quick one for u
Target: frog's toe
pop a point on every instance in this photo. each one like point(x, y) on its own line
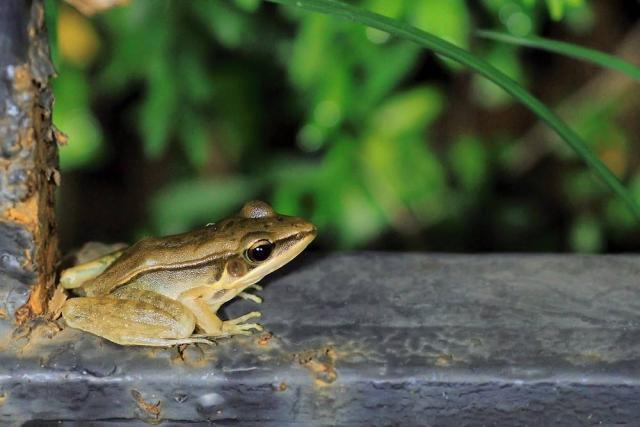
point(250, 297)
point(241, 319)
point(238, 327)
point(209, 339)
point(242, 329)
point(249, 326)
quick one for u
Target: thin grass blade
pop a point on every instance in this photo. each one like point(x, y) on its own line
point(448, 50)
point(590, 55)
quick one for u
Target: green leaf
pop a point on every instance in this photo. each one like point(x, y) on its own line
point(409, 112)
point(195, 77)
point(131, 49)
point(342, 206)
point(556, 9)
point(359, 220)
point(312, 51)
point(448, 50)
point(568, 49)
point(401, 173)
point(385, 70)
point(228, 25)
point(469, 162)
point(519, 17)
point(73, 116)
point(293, 180)
point(392, 9)
point(248, 5)
point(582, 188)
point(448, 20)
point(586, 235)
point(194, 139)
point(85, 138)
point(485, 92)
point(619, 219)
point(157, 112)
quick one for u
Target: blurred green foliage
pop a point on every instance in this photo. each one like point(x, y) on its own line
point(371, 150)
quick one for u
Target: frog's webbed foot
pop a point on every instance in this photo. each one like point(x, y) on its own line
point(233, 327)
point(238, 327)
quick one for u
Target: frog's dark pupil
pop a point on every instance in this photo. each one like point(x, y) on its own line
point(260, 253)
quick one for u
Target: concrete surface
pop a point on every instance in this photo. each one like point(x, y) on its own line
point(368, 339)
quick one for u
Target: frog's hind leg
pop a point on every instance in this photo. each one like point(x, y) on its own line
point(74, 277)
point(133, 317)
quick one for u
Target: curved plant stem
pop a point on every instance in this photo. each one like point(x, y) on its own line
point(448, 50)
point(600, 58)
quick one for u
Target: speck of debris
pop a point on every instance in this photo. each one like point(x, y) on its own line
point(190, 355)
point(152, 409)
point(264, 339)
point(444, 360)
point(181, 348)
point(321, 363)
point(56, 302)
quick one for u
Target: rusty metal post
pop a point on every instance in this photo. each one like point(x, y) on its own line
point(28, 161)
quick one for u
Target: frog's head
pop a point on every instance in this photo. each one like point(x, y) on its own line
point(267, 241)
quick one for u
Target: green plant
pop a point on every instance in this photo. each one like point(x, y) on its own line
point(451, 51)
point(346, 124)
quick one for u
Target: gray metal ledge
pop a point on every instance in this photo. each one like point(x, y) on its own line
point(369, 339)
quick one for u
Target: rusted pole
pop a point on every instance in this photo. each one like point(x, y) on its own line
point(28, 160)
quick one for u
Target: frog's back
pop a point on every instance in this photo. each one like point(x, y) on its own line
point(153, 254)
point(198, 248)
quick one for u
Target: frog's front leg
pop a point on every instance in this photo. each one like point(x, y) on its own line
point(204, 304)
point(133, 317)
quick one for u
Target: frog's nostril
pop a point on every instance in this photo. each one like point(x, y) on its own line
point(310, 229)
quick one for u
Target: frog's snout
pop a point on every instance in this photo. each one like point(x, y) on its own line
point(306, 228)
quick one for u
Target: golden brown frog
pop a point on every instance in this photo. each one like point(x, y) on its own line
point(157, 291)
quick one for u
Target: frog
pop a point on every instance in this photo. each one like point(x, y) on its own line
point(162, 290)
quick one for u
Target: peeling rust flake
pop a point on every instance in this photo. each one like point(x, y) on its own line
point(28, 157)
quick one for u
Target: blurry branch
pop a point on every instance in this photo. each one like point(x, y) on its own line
point(91, 7)
point(485, 69)
point(539, 140)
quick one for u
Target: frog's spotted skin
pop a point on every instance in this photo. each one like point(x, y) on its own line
point(159, 290)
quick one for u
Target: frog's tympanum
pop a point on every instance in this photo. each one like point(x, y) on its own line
point(159, 290)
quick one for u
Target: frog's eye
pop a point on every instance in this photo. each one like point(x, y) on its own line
point(259, 251)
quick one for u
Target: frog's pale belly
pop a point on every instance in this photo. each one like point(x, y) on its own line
point(171, 283)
